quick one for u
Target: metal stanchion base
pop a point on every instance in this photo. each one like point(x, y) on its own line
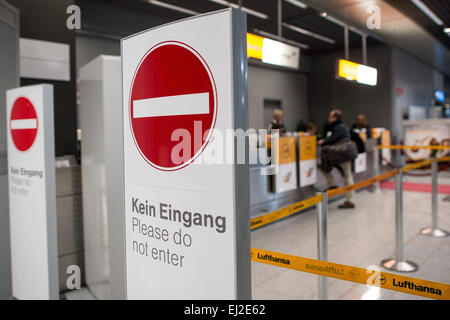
point(437, 233)
point(400, 266)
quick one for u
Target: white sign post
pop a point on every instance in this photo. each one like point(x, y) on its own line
point(32, 193)
point(187, 222)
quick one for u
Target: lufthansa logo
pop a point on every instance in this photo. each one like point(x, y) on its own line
point(354, 274)
point(285, 150)
point(380, 280)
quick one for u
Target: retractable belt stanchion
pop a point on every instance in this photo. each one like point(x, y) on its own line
point(376, 167)
point(434, 231)
point(399, 264)
point(322, 241)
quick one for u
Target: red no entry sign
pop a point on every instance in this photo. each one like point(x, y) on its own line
point(173, 96)
point(23, 123)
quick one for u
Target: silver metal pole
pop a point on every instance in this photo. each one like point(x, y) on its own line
point(347, 54)
point(364, 48)
point(322, 241)
point(399, 216)
point(399, 264)
point(376, 167)
point(434, 193)
point(434, 231)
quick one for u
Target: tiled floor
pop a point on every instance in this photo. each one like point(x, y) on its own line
point(359, 237)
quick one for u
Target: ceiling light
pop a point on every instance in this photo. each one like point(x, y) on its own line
point(447, 30)
point(309, 33)
point(234, 5)
point(323, 14)
point(419, 4)
point(297, 3)
point(173, 7)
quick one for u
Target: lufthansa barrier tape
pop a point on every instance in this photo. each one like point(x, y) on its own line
point(429, 289)
point(362, 184)
point(417, 165)
point(414, 147)
point(284, 212)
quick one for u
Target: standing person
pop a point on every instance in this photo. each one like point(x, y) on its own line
point(362, 123)
point(277, 122)
point(337, 145)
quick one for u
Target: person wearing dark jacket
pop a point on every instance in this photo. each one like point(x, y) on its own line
point(361, 125)
point(337, 132)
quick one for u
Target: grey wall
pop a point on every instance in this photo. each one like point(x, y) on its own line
point(326, 92)
point(89, 47)
point(291, 88)
point(9, 78)
point(447, 86)
point(418, 82)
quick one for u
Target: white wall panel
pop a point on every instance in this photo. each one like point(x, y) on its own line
point(44, 60)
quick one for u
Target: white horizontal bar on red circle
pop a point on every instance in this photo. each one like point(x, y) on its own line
point(23, 124)
point(178, 105)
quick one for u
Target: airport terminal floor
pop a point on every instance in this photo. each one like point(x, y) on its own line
point(225, 158)
point(361, 237)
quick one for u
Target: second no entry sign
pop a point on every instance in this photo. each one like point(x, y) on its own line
point(173, 96)
point(23, 123)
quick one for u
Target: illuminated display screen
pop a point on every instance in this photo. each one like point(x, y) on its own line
point(439, 95)
point(360, 73)
point(273, 52)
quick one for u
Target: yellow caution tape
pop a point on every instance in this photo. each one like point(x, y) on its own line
point(414, 147)
point(416, 165)
point(362, 184)
point(284, 212)
point(419, 287)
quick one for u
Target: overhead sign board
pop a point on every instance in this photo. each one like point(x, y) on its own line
point(32, 194)
point(272, 51)
point(356, 72)
point(186, 221)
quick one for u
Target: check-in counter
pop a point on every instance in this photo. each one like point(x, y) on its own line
point(264, 200)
